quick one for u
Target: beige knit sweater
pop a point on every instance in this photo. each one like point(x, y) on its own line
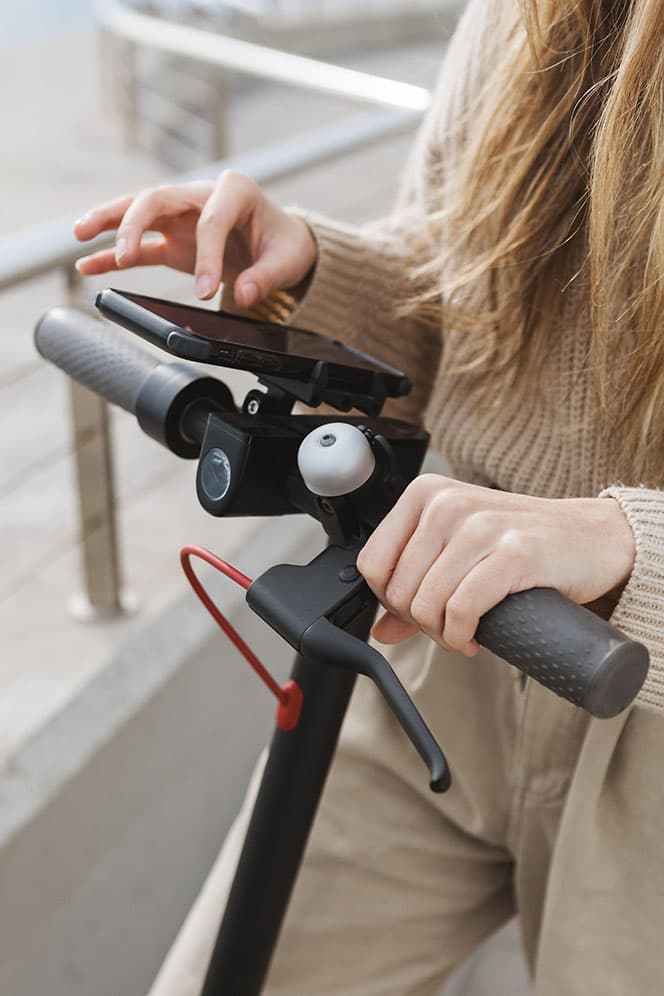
point(547, 448)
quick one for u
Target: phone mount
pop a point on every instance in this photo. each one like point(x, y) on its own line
point(325, 372)
point(281, 394)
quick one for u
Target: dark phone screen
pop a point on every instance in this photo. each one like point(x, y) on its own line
point(220, 326)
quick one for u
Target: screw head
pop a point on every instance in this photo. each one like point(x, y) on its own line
point(253, 407)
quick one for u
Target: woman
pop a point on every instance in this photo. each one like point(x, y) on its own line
point(519, 283)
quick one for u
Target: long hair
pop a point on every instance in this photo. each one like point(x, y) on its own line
point(560, 183)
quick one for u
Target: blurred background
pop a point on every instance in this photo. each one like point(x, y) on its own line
point(128, 727)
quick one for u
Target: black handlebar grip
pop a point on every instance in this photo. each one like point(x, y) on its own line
point(567, 648)
point(94, 355)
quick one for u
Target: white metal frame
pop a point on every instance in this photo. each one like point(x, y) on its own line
point(257, 60)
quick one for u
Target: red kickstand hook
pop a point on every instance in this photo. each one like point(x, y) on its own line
point(290, 695)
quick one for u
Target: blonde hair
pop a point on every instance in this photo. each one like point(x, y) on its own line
point(561, 181)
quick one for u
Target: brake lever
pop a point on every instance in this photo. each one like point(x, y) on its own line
point(325, 642)
point(309, 605)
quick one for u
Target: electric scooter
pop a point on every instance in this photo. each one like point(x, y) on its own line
point(347, 472)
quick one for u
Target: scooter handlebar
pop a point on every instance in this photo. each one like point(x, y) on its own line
point(94, 355)
point(562, 645)
point(566, 648)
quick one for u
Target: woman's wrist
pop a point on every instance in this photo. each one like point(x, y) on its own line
point(620, 537)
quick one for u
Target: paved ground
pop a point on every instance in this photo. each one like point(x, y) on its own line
point(64, 153)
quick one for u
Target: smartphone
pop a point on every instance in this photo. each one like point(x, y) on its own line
point(260, 347)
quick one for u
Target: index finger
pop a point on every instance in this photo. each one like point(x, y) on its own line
point(231, 203)
point(104, 218)
point(380, 555)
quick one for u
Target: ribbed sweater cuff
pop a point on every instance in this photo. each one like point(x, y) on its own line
point(640, 609)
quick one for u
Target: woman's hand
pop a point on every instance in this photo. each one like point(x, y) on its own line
point(228, 230)
point(448, 552)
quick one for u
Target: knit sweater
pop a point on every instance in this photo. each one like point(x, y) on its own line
point(547, 447)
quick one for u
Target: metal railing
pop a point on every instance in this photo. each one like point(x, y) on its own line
point(52, 247)
point(210, 48)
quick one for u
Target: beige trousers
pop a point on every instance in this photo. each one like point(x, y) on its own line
point(552, 814)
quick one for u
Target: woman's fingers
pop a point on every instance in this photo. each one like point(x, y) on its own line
point(485, 586)
point(380, 555)
point(150, 253)
point(426, 578)
point(256, 282)
point(231, 204)
point(133, 214)
point(97, 262)
point(140, 215)
point(225, 230)
point(417, 557)
point(104, 218)
point(390, 629)
point(468, 546)
point(273, 269)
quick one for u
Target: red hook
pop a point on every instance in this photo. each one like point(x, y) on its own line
point(289, 695)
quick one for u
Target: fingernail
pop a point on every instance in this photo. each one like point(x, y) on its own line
point(249, 294)
point(121, 249)
point(203, 286)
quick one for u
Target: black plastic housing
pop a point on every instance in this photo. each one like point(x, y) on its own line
point(165, 397)
point(262, 452)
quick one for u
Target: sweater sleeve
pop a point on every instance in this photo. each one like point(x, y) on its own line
point(361, 272)
point(640, 609)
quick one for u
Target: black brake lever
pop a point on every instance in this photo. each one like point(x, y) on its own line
point(325, 642)
point(308, 606)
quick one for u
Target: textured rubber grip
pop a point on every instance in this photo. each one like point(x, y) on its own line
point(95, 355)
point(567, 648)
